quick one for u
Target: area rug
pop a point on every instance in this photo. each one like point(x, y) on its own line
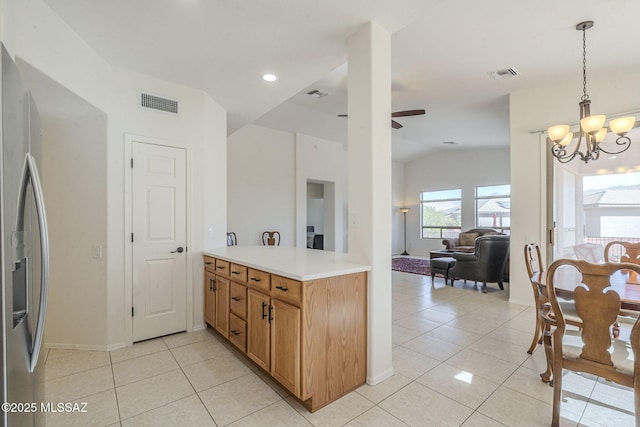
point(411, 265)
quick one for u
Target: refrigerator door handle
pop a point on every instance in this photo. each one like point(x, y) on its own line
point(30, 172)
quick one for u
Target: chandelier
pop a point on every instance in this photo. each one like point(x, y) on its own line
point(591, 127)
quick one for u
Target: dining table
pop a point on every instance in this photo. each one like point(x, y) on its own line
point(626, 283)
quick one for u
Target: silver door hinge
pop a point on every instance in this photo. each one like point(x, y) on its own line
point(132, 163)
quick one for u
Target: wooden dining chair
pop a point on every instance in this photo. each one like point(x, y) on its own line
point(544, 316)
point(622, 251)
point(232, 240)
point(533, 262)
point(271, 238)
point(592, 349)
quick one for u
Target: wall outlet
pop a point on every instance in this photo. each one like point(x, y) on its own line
point(355, 220)
point(97, 251)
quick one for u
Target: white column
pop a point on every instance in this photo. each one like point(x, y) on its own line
point(370, 184)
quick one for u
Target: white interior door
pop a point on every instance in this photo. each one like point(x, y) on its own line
point(159, 281)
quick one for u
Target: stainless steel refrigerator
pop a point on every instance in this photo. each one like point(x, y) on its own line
point(24, 252)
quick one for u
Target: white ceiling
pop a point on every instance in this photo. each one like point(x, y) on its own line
point(442, 52)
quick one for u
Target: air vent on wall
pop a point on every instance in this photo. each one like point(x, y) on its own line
point(158, 103)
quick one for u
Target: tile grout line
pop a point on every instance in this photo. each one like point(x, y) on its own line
point(467, 347)
point(115, 391)
point(190, 383)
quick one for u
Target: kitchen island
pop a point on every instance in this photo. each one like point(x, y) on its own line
point(299, 314)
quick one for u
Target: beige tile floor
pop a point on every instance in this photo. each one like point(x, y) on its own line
point(459, 357)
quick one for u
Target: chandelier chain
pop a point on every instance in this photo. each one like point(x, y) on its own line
point(585, 96)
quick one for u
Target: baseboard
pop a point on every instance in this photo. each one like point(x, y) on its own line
point(199, 327)
point(521, 302)
point(84, 347)
point(380, 377)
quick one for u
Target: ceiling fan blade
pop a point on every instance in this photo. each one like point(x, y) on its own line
point(408, 113)
point(394, 124)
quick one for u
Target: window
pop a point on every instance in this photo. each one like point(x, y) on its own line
point(611, 204)
point(493, 207)
point(441, 213)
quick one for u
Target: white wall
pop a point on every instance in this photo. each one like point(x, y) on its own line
point(315, 214)
point(442, 170)
point(46, 43)
point(320, 160)
point(267, 185)
point(261, 184)
point(74, 183)
point(397, 195)
point(534, 109)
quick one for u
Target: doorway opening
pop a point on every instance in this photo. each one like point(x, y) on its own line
point(321, 223)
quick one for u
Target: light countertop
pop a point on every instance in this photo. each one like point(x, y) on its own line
point(295, 263)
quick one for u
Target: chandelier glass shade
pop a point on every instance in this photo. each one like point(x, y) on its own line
point(592, 129)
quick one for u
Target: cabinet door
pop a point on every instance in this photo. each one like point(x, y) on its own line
point(222, 306)
point(258, 335)
point(285, 345)
point(209, 298)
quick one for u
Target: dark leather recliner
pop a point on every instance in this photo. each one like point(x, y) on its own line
point(486, 264)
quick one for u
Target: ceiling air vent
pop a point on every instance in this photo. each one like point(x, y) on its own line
point(158, 103)
point(317, 93)
point(503, 74)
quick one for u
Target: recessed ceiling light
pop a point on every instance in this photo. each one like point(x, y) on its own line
point(269, 77)
point(612, 157)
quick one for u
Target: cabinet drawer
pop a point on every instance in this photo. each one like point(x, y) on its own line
point(238, 272)
point(238, 332)
point(209, 264)
point(222, 267)
point(238, 303)
point(286, 289)
point(259, 279)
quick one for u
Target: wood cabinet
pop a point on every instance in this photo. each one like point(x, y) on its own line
point(285, 345)
point(209, 298)
point(222, 306)
point(238, 332)
point(310, 336)
point(209, 293)
point(216, 295)
point(259, 328)
point(238, 303)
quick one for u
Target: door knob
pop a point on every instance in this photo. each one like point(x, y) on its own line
point(179, 250)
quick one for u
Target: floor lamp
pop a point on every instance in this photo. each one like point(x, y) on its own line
point(404, 212)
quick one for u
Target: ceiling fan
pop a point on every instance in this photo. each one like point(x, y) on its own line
point(404, 113)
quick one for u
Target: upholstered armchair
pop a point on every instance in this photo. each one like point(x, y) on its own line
point(486, 264)
point(466, 240)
